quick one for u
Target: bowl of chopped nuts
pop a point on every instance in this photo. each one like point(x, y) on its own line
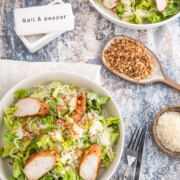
point(134, 62)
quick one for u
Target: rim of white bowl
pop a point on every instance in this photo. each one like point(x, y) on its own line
point(30, 78)
point(130, 25)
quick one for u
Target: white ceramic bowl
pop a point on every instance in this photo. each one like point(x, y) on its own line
point(69, 78)
point(111, 16)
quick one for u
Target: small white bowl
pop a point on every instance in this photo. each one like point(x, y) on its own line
point(111, 16)
point(111, 108)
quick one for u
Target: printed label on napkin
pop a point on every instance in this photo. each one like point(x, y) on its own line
point(44, 19)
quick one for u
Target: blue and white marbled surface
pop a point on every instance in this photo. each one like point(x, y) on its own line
point(138, 103)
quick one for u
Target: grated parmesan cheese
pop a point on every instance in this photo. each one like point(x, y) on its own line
point(168, 130)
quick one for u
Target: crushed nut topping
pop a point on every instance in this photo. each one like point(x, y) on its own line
point(130, 58)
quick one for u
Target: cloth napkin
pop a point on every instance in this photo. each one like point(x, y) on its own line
point(11, 72)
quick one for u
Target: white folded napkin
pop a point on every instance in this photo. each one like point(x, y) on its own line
point(12, 72)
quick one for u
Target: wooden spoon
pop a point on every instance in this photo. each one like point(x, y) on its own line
point(159, 74)
point(157, 141)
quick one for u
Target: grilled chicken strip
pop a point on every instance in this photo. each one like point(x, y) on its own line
point(110, 4)
point(39, 164)
point(89, 163)
point(27, 107)
point(80, 108)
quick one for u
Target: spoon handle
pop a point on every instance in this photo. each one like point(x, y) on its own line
point(171, 83)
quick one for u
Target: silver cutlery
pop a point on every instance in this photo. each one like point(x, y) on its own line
point(133, 148)
point(140, 155)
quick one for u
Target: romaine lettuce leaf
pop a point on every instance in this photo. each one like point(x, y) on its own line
point(45, 142)
point(56, 91)
point(21, 93)
point(1, 151)
point(144, 4)
point(136, 18)
point(9, 138)
point(29, 148)
point(94, 102)
point(17, 168)
point(107, 156)
point(60, 170)
point(70, 175)
point(47, 177)
point(103, 100)
point(114, 135)
point(48, 121)
point(9, 118)
point(120, 8)
point(6, 150)
point(113, 120)
point(66, 144)
point(63, 113)
point(20, 177)
point(153, 17)
point(40, 95)
point(52, 104)
point(171, 10)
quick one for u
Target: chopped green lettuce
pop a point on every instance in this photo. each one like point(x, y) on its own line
point(63, 113)
point(40, 95)
point(136, 18)
point(112, 120)
point(153, 17)
point(107, 156)
point(56, 91)
point(21, 93)
point(120, 8)
point(47, 177)
point(9, 118)
point(143, 4)
point(94, 102)
point(45, 143)
point(48, 121)
point(112, 123)
point(9, 138)
point(17, 168)
point(52, 104)
point(6, 150)
point(29, 148)
point(171, 10)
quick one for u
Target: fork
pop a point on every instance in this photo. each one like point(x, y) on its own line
point(132, 149)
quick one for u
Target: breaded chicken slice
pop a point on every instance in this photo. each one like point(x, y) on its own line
point(39, 164)
point(30, 107)
point(90, 162)
point(161, 5)
point(110, 4)
point(80, 108)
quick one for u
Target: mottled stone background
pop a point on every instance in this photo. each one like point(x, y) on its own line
point(138, 103)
